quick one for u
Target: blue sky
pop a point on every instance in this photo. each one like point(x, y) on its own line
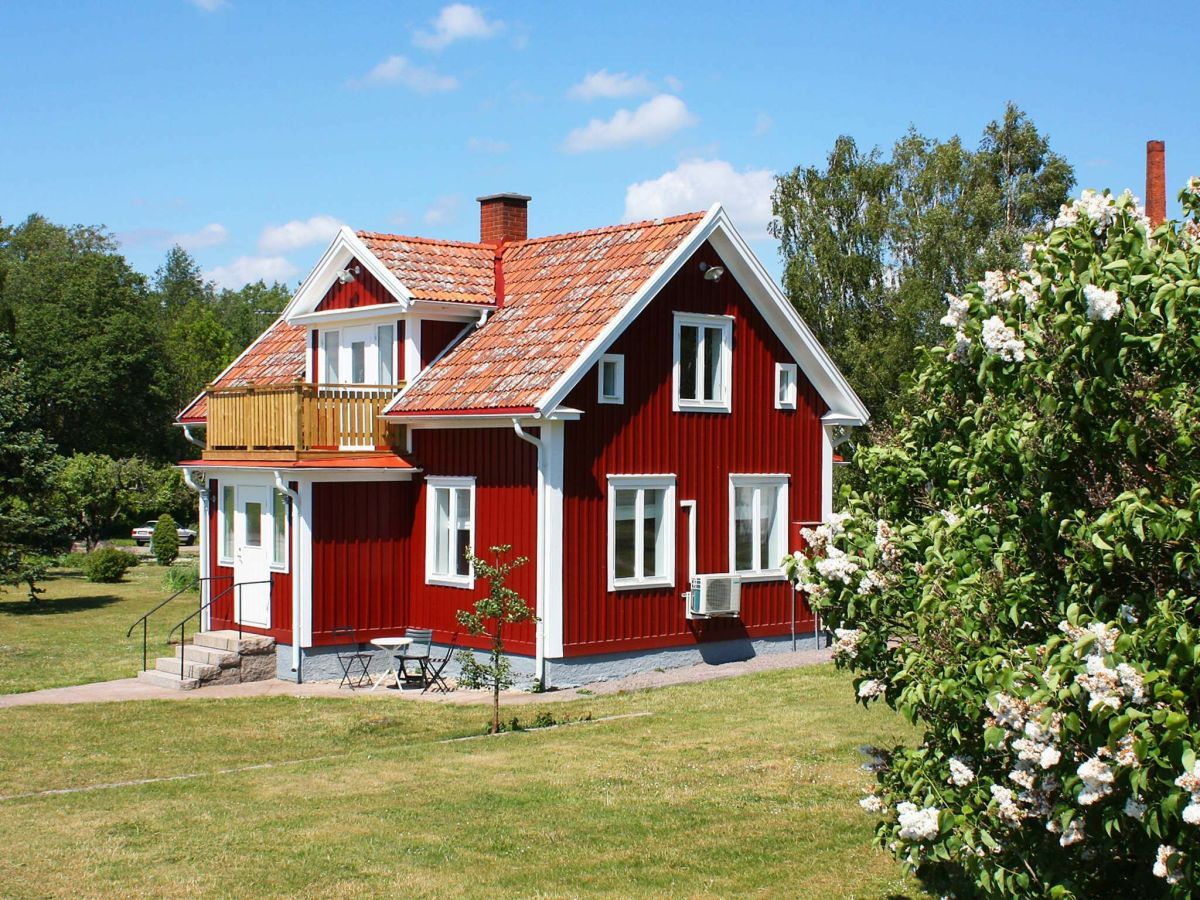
point(247, 130)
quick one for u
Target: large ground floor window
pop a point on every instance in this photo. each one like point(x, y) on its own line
point(450, 531)
point(758, 507)
point(641, 531)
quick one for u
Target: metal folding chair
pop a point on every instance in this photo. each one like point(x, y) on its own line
point(416, 652)
point(436, 666)
point(352, 657)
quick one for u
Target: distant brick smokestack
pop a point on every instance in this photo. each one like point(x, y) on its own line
point(1156, 182)
point(503, 217)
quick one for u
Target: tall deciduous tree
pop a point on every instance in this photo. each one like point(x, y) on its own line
point(871, 245)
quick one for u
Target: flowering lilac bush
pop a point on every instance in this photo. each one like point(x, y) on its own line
point(1016, 569)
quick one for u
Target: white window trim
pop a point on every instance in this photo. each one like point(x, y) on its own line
point(725, 323)
point(285, 565)
point(452, 482)
point(788, 402)
point(782, 482)
point(225, 553)
point(617, 360)
point(666, 483)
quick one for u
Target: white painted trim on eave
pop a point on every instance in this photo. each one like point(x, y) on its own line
point(344, 247)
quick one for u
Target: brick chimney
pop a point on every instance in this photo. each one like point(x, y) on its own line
point(503, 217)
point(1156, 182)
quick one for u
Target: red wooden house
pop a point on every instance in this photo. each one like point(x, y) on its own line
point(628, 407)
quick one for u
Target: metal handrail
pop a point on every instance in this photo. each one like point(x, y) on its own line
point(144, 619)
point(237, 615)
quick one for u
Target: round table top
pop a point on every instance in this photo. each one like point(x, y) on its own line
point(390, 643)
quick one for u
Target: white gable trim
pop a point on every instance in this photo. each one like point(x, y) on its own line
point(766, 296)
point(345, 247)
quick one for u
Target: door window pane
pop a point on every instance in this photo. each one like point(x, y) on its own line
point(331, 347)
point(386, 340)
point(279, 528)
point(689, 340)
point(253, 512)
point(358, 362)
point(625, 536)
point(228, 504)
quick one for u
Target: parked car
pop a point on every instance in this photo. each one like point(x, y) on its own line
point(143, 534)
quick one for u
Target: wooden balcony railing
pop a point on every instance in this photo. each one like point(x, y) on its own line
point(300, 417)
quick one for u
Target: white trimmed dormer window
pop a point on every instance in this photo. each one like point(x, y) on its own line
point(785, 385)
point(703, 370)
point(611, 378)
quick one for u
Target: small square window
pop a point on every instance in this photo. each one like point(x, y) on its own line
point(785, 385)
point(612, 379)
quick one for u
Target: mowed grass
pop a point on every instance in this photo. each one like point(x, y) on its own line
point(75, 632)
point(743, 786)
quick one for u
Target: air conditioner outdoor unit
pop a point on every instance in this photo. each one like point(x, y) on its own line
point(715, 596)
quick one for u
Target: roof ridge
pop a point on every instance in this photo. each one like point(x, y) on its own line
point(607, 229)
point(387, 236)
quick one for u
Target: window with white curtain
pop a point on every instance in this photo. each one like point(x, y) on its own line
point(758, 524)
point(641, 531)
point(450, 520)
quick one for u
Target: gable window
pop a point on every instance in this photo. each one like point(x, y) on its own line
point(331, 348)
point(641, 531)
point(450, 517)
point(279, 530)
point(785, 385)
point(228, 505)
point(612, 378)
point(758, 508)
point(703, 362)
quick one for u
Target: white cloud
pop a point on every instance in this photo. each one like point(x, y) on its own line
point(698, 183)
point(610, 84)
point(486, 145)
point(399, 70)
point(443, 210)
point(209, 5)
point(457, 22)
point(298, 233)
point(656, 119)
point(209, 236)
point(246, 269)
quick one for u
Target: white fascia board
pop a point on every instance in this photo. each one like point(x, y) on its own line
point(449, 311)
point(344, 247)
point(331, 317)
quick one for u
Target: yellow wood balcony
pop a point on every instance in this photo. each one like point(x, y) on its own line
point(286, 421)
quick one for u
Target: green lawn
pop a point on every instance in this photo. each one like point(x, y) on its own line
point(731, 787)
point(75, 633)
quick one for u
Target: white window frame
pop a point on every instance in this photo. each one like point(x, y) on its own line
point(226, 539)
point(281, 565)
point(616, 360)
point(786, 400)
point(453, 484)
point(781, 483)
point(717, 404)
point(665, 483)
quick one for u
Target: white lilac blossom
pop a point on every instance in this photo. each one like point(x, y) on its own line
point(846, 642)
point(837, 566)
point(962, 344)
point(1023, 775)
point(1006, 804)
point(1028, 289)
point(956, 311)
point(1097, 777)
point(1126, 613)
point(951, 517)
point(871, 582)
point(1008, 711)
point(1072, 835)
point(889, 553)
point(1190, 782)
point(871, 804)
point(1163, 867)
point(917, 824)
point(1101, 304)
point(995, 287)
point(871, 688)
point(1126, 755)
point(1135, 808)
point(1037, 745)
point(960, 773)
point(1193, 186)
point(1106, 636)
point(1002, 340)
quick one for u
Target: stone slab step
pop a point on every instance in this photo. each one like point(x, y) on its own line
point(168, 680)
point(228, 640)
point(197, 671)
point(208, 656)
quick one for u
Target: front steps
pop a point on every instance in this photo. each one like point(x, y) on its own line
point(215, 657)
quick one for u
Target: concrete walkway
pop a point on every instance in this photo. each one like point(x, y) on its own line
point(132, 689)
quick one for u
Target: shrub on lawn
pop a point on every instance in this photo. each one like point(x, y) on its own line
point(108, 564)
point(164, 543)
point(1016, 569)
point(185, 576)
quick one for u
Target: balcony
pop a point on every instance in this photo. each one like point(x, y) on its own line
point(290, 421)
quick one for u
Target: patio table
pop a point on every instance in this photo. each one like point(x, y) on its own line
point(394, 647)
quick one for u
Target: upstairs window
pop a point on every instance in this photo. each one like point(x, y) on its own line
point(703, 362)
point(450, 531)
point(758, 506)
point(612, 378)
point(385, 340)
point(785, 385)
point(331, 348)
point(641, 531)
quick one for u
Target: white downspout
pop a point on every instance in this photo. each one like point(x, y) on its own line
point(191, 439)
point(539, 663)
point(294, 531)
point(201, 489)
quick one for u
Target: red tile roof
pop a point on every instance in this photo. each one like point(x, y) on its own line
point(277, 357)
point(559, 294)
point(450, 271)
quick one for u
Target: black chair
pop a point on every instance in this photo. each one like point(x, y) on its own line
point(351, 657)
point(435, 667)
point(416, 652)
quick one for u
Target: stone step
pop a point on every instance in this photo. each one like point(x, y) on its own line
point(208, 656)
point(191, 670)
point(168, 680)
point(228, 640)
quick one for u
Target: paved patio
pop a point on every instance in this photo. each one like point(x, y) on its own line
point(131, 689)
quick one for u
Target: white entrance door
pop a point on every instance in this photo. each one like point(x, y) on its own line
point(251, 561)
point(360, 360)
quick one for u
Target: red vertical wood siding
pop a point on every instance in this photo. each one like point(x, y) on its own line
point(644, 436)
point(436, 336)
point(222, 612)
point(361, 535)
point(505, 471)
point(364, 290)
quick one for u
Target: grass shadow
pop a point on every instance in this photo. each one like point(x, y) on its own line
point(26, 607)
